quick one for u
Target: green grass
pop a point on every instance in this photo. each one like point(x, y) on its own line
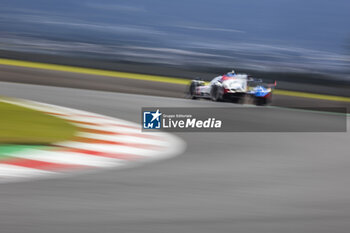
point(20, 125)
point(7, 151)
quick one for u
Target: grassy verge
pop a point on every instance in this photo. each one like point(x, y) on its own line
point(7, 151)
point(20, 125)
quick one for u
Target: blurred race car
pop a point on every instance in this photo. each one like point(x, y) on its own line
point(232, 87)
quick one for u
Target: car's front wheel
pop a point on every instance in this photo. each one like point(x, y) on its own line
point(192, 90)
point(216, 93)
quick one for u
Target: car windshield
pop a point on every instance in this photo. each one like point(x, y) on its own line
point(216, 79)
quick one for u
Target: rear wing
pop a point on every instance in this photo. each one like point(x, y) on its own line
point(272, 85)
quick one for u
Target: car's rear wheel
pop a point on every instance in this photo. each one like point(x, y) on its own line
point(262, 101)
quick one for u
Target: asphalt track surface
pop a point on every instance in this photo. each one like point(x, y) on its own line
point(223, 182)
point(133, 86)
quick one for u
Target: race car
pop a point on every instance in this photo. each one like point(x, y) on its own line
point(232, 87)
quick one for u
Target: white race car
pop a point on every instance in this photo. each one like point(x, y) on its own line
point(232, 87)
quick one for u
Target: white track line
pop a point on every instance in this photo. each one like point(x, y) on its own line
point(12, 171)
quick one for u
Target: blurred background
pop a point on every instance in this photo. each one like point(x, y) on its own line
point(223, 182)
point(294, 36)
